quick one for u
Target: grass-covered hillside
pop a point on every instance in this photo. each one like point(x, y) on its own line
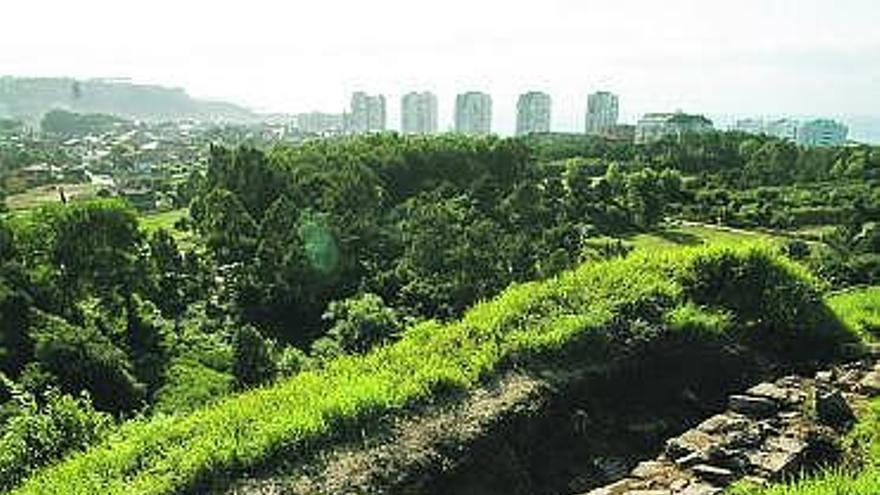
point(747, 296)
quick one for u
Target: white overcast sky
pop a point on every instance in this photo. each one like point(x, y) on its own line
point(764, 57)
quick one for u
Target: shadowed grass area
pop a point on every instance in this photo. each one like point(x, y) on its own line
point(749, 294)
point(696, 235)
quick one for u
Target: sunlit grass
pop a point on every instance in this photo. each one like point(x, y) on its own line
point(860, 310)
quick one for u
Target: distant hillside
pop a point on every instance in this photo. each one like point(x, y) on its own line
point(29, 99)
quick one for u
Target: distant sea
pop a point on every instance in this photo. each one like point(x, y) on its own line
point(862, 128)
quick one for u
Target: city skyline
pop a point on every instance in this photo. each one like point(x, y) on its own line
point(782, 57)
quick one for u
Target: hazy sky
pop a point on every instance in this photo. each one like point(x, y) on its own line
point(805, 57)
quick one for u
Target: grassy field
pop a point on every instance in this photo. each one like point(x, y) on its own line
point(39, 196)
point(166, 455)
point(152, 222)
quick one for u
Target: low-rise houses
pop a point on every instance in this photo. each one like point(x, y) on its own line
point(656, 126)
point(816, 132)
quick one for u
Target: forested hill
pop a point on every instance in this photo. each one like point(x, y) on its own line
point(29, 99)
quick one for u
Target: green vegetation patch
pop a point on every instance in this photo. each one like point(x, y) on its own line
point(750, 294)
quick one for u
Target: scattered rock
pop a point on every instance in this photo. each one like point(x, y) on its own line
point(690, 442)
point(754, 481)
point(765, 435)
point(782, 396)
point(691, 459)
point(723, 423)
point(825, 376)
point(756, 407)
point(649, 469)
point(774, 464)
point(833, 410)
point(870, 384)
point(700, 489)
point(714, 474)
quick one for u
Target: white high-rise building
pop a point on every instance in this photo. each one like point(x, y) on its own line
point(473, 113)
point(418, 113)
point(602, 113)
point(533, 113)
point(822, 132)
point(367, 113)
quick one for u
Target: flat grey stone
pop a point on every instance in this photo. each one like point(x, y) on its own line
point(771, 391)
point(870, 384)
point(701, 489)
point(833, 409)
point(689, 442)
point(756, 407)
point(713, 474)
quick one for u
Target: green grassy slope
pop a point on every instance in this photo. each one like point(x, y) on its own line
point(747, 292)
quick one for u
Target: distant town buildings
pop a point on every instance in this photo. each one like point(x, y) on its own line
point(822, 132)
point(320, 123)
point(367, 113)
point(533, 113)
point(655, 126)
point(782, 129)
point(418, 113)
point(602, 113)
point(750, 126)
point(818, 132)
point(473, 113)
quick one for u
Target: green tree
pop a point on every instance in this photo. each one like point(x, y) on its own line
point(253, 363)
point(230, 231)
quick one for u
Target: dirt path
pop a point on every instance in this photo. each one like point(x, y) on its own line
point(412, 450)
